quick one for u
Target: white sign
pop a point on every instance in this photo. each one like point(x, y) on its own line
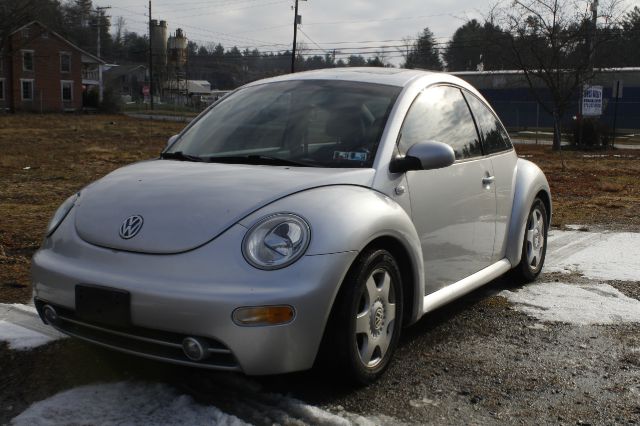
point(592, 101)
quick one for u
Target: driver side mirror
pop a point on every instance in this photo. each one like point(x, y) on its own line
point(427, 155)
point(171, 140)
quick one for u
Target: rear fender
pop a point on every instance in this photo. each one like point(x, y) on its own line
point(529, 182)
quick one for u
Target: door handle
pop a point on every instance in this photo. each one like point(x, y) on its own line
point(488, 180)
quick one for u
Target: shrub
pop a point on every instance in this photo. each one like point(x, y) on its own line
point(595, 133)
point(111, 102)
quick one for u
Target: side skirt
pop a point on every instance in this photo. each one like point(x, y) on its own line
point(464, 286)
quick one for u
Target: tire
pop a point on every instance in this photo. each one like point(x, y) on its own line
point(534, 246)
point(367, 317)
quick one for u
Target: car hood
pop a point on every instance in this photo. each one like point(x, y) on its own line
point(184, 205)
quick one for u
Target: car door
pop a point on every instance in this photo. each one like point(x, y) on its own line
point(454, 208)
point(496, 144)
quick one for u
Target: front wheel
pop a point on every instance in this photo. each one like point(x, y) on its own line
point(534, 246)
point(368, 316)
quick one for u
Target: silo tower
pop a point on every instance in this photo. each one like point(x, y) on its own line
point(178, 51)
point(177, 65)
point(159, 44)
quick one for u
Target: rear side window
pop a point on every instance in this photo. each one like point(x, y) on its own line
point(441, 114)
point(495, 137)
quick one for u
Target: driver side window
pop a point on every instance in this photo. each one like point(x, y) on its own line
point(441, 114)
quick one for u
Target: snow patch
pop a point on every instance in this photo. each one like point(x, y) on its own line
point(605, 256)
point(132, 403)
point(585, 304)
point(123, 403)
point(29, 309)
point(424, 402)
point(21, 338)
point(575, 227)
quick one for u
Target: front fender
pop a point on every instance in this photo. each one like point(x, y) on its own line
point(529, 182)
point(348, 218)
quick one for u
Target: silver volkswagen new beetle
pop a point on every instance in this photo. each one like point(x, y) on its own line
point(306, 216)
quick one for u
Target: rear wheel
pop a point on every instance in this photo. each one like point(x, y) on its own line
point(368, 316)
point(534, 246)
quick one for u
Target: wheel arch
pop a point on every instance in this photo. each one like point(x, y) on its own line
point(372, 218)
point(530, 183)
point(411, 290)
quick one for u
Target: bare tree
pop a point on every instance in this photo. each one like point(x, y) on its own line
point(553, 44)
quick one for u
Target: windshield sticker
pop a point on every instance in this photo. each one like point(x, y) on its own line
point(349, 156)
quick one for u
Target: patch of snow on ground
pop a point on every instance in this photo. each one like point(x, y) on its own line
point(123, 403)
point(606, 256)
point(30, 308)
point(20, 338)
point(133, 403)
point(575, 304)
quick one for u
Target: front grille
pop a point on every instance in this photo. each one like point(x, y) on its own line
point(149, 343)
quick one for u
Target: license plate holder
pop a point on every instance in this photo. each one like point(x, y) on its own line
point(103, 305)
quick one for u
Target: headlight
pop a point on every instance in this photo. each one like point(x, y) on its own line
point(276, 241)
point(60, 214)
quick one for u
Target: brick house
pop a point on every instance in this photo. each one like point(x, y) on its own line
point(42, 71)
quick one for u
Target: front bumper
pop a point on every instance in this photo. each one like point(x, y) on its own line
point(194, 294)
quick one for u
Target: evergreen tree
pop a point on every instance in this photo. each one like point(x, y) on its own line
point(424, 53)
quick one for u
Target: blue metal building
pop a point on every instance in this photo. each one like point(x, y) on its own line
point(509, 93)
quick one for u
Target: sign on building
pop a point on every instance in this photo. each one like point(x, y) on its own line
point(592, 101)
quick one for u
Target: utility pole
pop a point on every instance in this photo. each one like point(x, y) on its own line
point(150, 59)
point(297, 20)
point(99, 27)
point(295, 37)
point(593, 34)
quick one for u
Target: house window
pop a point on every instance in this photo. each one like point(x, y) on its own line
point(67, 90)
point(27, 60)
point(1, 89)
point(65, 62)
point(27, 89)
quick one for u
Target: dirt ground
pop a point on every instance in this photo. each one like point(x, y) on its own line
point(475, 361)
point(46, 158)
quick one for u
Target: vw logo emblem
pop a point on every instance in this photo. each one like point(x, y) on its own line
point(131, 226)
point(379, 318)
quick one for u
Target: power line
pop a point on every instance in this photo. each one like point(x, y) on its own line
point(218, 12)
point(368, 21)
point(219, 5)
point(311, 40)
point(200, 2)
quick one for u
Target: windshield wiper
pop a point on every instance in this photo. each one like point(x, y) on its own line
point(258, 159)
point(179, 155)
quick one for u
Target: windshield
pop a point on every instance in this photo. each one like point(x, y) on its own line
point(308, 122)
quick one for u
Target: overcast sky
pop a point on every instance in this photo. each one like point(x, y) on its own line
point(350, 26)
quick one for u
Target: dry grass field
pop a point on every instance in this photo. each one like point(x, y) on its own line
point(46, 158)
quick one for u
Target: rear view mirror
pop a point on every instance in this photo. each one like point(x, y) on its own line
point(427, 155)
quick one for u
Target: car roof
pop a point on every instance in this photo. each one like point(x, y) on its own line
point(389, 76)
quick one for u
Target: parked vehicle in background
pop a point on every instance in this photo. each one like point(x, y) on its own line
point(313, 213)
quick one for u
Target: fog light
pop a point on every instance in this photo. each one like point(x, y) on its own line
point(195, 349)
point(263, 315)
point(50, 314)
